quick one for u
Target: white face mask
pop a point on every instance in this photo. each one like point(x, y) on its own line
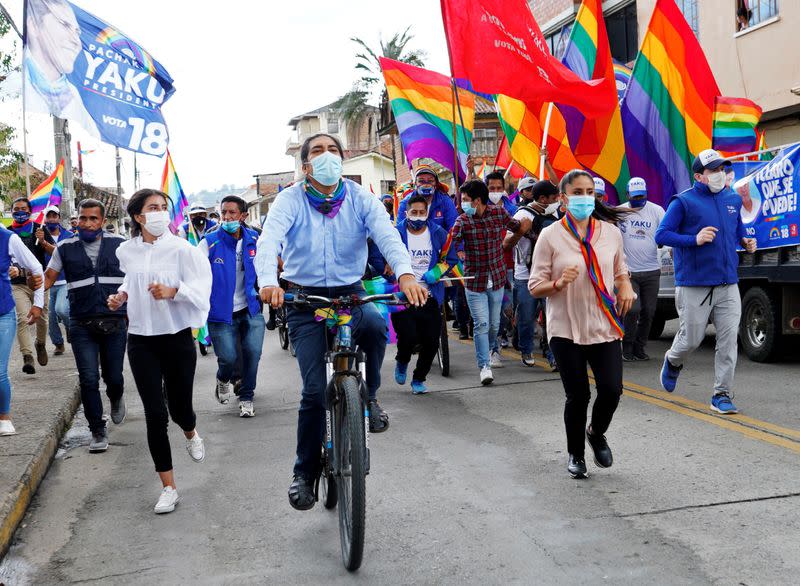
point(552, 208)
point(716, 182)
point(156, 223)
point(496, 196)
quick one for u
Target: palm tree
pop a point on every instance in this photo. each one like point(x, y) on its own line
point(353, 106)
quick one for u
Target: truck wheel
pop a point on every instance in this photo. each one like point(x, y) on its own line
point(657, 327)
point(760, 329)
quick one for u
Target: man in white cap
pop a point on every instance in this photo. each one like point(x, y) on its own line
point(600, 190)
point(198, 217)
point(639, 237)
point(703, 225)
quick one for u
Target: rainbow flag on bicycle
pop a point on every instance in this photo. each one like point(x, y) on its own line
point(380, 286)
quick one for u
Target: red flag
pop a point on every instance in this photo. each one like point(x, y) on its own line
point(497, 45)
point(504, 160)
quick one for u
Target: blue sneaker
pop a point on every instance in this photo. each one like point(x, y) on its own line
point(418, 387)
point(721, 403)
point(669, 375)
point(400, 371)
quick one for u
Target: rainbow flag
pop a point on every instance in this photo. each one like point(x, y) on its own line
point(523, 126)
point(668, 109)
point(48, 193)
point(622, 75)
point(482, 172)
point(597, 141)
point(761, 145)
point(380, 286)
point(171, 185)
point(422, 103)
point(735, 121)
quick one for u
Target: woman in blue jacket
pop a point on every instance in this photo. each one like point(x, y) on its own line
point(425, 240)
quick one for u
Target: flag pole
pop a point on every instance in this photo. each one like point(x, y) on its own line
point(544, 137)
point(456, 166)
point(463, 129)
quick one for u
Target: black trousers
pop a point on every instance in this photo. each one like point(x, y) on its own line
point(163, 368)
point(640, 317)
point(606, 362)
point(418, 326)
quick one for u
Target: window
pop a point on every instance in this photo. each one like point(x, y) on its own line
point(752, 12)
point(333, 125)
point(484, 142)
point(557, 41)
point(623, 34)
point(689, 9)
point(356, 178)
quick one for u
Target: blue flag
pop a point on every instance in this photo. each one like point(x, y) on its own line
point(80, 68)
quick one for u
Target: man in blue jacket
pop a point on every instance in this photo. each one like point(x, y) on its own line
point(441, 209)
point(421, 326)
point(703, 225)
point(235, 313)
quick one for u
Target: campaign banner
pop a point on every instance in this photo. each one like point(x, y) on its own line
point(769, 198)
point(80, 68)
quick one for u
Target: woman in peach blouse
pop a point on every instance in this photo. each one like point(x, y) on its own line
point(578, 263)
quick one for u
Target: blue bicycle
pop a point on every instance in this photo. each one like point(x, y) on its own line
point(345, 449)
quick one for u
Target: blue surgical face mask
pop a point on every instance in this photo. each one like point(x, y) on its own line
point(89, 235)
point(426, 190)
point(581, 206)
point(467, 208)
point(231, 227)
point(638, 202)
point(21, 217)
point(52, 226)
point(327, 168)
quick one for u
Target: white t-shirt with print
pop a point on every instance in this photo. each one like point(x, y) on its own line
point(639, 236)
point(420, 249)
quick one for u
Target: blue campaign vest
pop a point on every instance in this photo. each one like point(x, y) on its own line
point(89, 286)
point(438, 239)
point(6, 298)
point(222, 256)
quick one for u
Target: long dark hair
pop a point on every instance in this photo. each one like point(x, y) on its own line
point(136, 204)
point(602, 212)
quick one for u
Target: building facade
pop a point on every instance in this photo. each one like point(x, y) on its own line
point(748, 44)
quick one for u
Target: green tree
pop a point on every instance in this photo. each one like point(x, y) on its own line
point(353, 106)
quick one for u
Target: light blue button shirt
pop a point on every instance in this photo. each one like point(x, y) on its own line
point(318, 251)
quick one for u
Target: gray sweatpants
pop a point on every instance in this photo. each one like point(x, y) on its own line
point(695, 305)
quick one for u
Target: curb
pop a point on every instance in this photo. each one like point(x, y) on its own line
point(20, 497)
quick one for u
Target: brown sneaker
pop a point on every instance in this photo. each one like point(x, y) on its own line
point(59, 349)
point(41, 354)
point(28, 367)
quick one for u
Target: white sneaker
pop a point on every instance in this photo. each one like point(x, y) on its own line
point(486, 376)
point(495, 360)
point(223, 392)
point(196, 448)
point(6, 427)
point(167, 501)
point(246, 409)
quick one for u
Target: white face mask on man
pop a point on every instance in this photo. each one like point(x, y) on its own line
point(716, 181)
point(496, 196)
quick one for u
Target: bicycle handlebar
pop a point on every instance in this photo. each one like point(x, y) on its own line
point(344, 301)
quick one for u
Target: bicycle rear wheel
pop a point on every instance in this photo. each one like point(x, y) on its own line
point(350, 448)
point(283, 336)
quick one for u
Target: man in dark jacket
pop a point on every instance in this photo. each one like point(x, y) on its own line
point(98, 334)
point(703, 225)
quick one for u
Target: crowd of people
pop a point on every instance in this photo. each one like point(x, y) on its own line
point(551, 256)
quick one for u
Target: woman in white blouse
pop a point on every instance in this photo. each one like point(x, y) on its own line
point(167, 287)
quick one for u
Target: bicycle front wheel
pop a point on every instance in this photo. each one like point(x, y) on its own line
point(444, 349)
point(350, 448)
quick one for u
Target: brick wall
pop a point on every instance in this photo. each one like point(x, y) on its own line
point(544, 10)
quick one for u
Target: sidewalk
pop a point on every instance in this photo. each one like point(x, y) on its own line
point(42, 406)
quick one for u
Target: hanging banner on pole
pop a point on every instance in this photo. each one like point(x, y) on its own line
point(80, 68)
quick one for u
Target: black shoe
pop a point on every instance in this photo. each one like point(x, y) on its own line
point(301, 493)
point(577, 467)
point(463, 335)
point(28, 367)
point(602, 453)
point(626, 357)
point(203, 349)
point(271, 324)
point(378, 419)
point(640, 355)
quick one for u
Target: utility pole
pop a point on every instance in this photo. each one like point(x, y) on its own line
point(135, 173)
point(62, 139)
point(120, 223)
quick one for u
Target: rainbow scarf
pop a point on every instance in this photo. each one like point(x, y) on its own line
point(327, 205)
point(23, 230)
point(604, 298)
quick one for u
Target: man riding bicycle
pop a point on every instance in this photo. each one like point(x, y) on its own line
point(320, 227)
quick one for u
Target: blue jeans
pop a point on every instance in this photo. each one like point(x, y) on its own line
point(309, 338)
point(96, 349)
point(485, 309)
point(526, 315)
point(8, 330)
point(59, 312)
point(249, 331)
point(505, 324)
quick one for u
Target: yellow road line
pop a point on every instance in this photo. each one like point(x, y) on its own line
point(750, 427)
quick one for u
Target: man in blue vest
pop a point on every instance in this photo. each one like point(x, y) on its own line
point(98, 335)
point(198, 217)
point(235, 307)
point(441, 209)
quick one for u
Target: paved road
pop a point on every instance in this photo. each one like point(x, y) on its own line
point(468, 486)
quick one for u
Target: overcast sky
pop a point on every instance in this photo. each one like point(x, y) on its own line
point(242, 69)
